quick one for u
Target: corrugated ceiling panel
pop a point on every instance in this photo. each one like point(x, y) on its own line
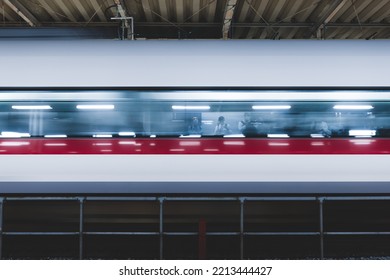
point(204, 18)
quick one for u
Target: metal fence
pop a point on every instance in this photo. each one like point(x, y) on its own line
point(320, 201)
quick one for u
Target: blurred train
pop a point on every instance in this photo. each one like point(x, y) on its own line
point(194, 117)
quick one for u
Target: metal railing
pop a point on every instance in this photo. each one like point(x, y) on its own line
point(161, 233)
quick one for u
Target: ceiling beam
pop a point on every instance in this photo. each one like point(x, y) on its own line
point(209, 24)
point(98, 7)
point(9, 16)
point(25, 14)
point(228, 17)
point(333, 9)
point(49, 10)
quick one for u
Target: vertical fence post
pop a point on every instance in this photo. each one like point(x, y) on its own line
point(202, 228)
point(81, 228)
point(242, 228)
point(161, 230)
point(1, 227)
point(321, 212)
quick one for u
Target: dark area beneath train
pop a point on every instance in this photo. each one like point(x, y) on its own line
point(205, 229)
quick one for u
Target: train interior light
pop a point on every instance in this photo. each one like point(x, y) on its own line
point(271, 107)
point(353, 107)
point(56, 136)
point(102, 135)
point(190, 107)
point(127, 133)
point(95, 107)
point(278, 135)
point(11, 134)
point(31, 107)
point(362, 133)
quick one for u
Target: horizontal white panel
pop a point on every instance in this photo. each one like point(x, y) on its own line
point(195, 168)
point(186, 63)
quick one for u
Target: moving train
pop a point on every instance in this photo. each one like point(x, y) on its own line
point(194, 117)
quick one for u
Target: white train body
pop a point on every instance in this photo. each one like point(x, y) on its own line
point(143, 144)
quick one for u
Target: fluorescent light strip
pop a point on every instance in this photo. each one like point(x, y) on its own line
point(127, 133)
point(317, 135)
point(10, 134)
point(278, 136)
point(190, 136)
point(96, 107)
point(353, 107)
point(31, 107)
point(357, 132)
point(271, 107)
point(56, 136)
point(234, 136)
point(190, 107)
point(102, 135)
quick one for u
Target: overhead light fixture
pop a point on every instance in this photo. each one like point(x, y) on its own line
point(362, 133)
point(31, 107)
point(271, 107)
point(353, 107)
point(56, 136)
point(234, 136)
point(278, 136)
point(102, 135)
point(190, 107)
point(127, 133)
point(317, 135)
point(95, 107)
point(10, 134)
point(190, 136)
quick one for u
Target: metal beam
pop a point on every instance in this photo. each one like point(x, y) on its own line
point(206, 24)
point(63, 6)
point(50, 11)
point(228, 17)
point(82, 10)
point(127, 22)
point(25, 14)
point(98, 9)
point(335, 6)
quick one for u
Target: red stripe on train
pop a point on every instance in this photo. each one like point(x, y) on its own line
point(195, 146)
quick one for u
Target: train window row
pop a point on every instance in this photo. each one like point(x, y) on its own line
point(194, 119)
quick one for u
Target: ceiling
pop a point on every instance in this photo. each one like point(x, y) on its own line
point(198, 19)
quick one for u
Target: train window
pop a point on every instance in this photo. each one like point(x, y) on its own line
point(162, 117)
